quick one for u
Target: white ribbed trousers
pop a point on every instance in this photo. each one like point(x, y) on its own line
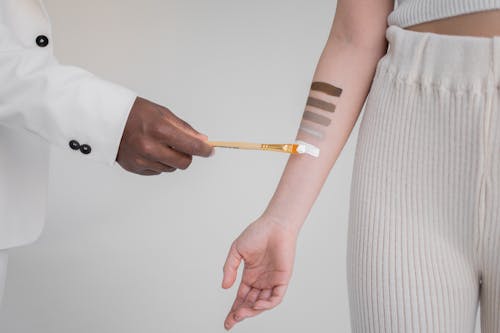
point(3, 272)
point(424, 221)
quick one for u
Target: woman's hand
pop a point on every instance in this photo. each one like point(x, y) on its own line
point(268, 250)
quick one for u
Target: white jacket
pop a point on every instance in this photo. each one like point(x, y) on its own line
point(43, 102)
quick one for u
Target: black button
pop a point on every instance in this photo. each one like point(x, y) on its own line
point(42, 41)
point(85, 149)
point(75, 145)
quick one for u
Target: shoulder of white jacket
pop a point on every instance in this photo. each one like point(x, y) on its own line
point(24, 24)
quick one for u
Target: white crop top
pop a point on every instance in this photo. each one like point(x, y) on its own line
point(411, 12)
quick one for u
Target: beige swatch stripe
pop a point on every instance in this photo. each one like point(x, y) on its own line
point(320, 104)
point(326, 88)
point(312, 131)
point(316, 118)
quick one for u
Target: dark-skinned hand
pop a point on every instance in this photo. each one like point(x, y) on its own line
point(155, 141)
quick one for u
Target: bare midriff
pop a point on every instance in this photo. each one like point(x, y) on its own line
point(480, 24)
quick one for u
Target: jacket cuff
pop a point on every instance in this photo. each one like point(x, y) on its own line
point(107, 123)
point(91, 114)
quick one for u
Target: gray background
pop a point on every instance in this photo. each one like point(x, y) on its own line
point(125, 253)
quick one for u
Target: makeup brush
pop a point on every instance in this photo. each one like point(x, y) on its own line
point(299, 147)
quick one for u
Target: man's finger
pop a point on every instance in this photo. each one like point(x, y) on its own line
point(179, 123)
point(169, 156)
point(160, 167)
point(183, 125)
point(182, 141)
point(233, 261)
point(145, 164)
point(148, 173)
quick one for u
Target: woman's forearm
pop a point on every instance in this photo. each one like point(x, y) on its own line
point(349, 66)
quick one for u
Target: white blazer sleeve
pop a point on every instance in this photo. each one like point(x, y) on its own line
point(66, 106)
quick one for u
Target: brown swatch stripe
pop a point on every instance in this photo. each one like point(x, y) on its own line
point(326, 88)
point(316, 118)
point(317, 103)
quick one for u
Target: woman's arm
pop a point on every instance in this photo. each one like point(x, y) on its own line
point(356, 43)
point(354, 47)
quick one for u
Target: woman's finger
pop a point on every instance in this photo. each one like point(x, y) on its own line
point(275, 299)
point(252, 296)
point(233, 261)
point(243, 291)
point(264, 295)
point(241, 295)
point(246, 309)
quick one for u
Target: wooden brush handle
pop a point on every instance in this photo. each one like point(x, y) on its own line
point(236, 145)
point(282, 148)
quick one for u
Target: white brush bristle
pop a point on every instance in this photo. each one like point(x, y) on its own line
point(307, 148)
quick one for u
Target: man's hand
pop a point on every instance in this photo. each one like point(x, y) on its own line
point(268, 250)
point(156, 141)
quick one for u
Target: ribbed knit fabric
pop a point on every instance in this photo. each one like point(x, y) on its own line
point(410, 12)
point(424, 219)
point(3, 272)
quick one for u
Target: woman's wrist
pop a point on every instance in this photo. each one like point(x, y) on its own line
point(287, 225)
